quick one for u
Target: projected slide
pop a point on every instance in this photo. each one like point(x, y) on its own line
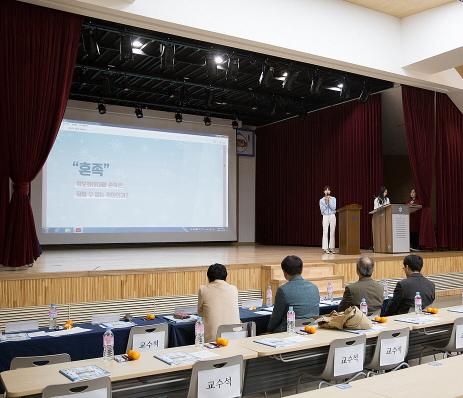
point(117, 179)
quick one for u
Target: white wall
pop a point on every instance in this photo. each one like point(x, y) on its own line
point(246, 198)
point(432, 41)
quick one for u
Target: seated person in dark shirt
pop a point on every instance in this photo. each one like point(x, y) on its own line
point(405, 290)
point(298, 293)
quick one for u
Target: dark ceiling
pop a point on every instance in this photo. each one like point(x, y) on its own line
point(181, 75)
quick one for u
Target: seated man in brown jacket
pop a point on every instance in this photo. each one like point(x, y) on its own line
point(365, 287)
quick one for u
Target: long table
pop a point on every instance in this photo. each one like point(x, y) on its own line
point(436, 379)
point(89, 344)
point(267, 368)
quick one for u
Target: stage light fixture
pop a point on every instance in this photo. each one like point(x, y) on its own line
point(233, 68)
point(207, 121)
point(91, 47)
point(365, 93)
point(218, 59)
point(138, 113)
point(101, 108)
point(178, 117)
point(167, 52)
point(125, 48)
point(316, 82)
point(290, 79)
point(235, 124)
point(211, 66)
point(137, 44)
point(266, 75)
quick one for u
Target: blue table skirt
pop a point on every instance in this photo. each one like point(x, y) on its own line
point(90, 344)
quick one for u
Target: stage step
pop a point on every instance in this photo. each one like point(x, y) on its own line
point(310, 270)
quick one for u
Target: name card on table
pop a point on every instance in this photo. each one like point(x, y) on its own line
point(459, 337)
point(349, 360)
point(100, 393)
point(393, 351)
point(144, 342)
point(105, 318)
point(222, 382)
point(21, 326)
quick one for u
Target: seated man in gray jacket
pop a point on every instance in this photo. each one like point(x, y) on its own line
point(365, 287)
point(298, 293)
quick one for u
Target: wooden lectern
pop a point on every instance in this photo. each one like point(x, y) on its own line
point(391, 228)
point(349, 229)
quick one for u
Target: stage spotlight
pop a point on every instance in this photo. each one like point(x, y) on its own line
point(207, 121)
point(266, 75)
point(211, 66)
point(315, 83)
point(345, 88)
point(218, 59)
point(138, 113)
point(178, 117)
point(167, 56)
point(235, 124)
point(137, 44)
point(233, 69)
point(290, 79)
point(101, 108)
point(91, 47)
point(365, 93)
point(125, 48)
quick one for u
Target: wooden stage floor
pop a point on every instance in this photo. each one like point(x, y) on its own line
point(83, 275)
point(143, 258)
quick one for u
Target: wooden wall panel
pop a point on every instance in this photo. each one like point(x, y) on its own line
point(71, 287)
point(116, 285)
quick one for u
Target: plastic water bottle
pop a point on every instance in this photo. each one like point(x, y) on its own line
point(364, 306)
point(418, 304)
point(52, 315)
point(199, 332)
point(385, 290)
point(268, 296)
point(329, 290)
point(108, 345)
point(291, 321)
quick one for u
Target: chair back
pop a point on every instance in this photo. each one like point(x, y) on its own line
point(148, 337)
point(455, 343)
point(224, 375)
point(237, 330)
point(95, 388)
point(391, 349)
point(29, 362)
point(345, 358)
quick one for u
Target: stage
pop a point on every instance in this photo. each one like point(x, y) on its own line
point(96, 274)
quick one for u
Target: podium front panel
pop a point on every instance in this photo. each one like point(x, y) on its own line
point(400, 229)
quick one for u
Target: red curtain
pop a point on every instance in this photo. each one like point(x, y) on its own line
point(418, 105)
point(39, 48)
point(338, 146)
point(449, 173)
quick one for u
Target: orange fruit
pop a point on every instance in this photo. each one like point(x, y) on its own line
point(133, 355)
point(310, 329)
point(221, 341)
point(150, 317)
point(67, 326)
point(70, 322)
point(380, 319)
